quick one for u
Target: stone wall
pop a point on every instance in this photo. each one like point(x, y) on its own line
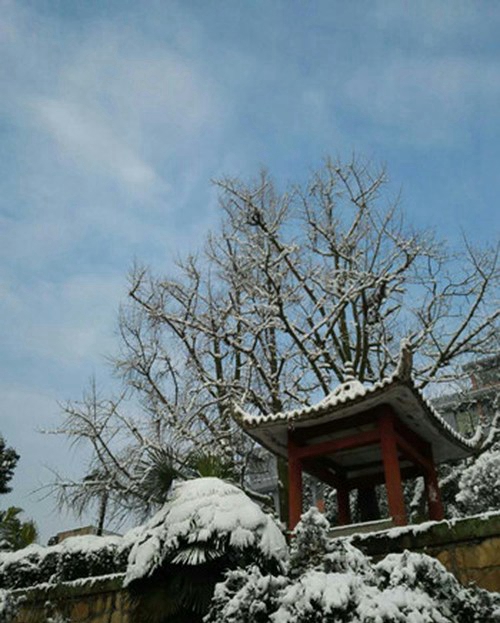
point(100, 600)
point(469, 548)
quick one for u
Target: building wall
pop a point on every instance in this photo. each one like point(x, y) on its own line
point(463, 410)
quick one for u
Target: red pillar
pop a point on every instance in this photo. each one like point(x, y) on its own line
point(392, 471)
point(344, 511)
point(434, 503)
point(294, 485)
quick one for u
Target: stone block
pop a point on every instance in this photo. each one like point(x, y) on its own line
point(445, 559)
point(485, 554)
point(117, 617)
point(486, 578)
point(80, 611)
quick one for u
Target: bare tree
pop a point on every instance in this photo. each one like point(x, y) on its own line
point(293, 285)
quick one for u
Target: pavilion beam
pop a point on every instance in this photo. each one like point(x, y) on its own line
point(392, 470)
point(420, 452)
point(294, 484)
point(335, 467)
point(420, 444)
point(321, 472)
point(358, 440)
point(412, 453)
point(372, 480)
point(340, 484)
point(336, 426)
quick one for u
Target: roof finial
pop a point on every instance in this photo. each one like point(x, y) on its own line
point(348, 373)
point(405, 362)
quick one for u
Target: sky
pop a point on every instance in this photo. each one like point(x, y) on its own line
point(116, 116)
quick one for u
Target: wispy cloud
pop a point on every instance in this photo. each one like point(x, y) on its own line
point(65, 322)
point(424, 101)
point(92, 143)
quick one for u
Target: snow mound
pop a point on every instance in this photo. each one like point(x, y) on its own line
point(201, 521)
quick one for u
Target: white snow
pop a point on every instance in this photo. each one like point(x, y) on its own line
point(479, 483)
point(413, 529)
point(316, 589)
point(202, 511)
point(87, 544)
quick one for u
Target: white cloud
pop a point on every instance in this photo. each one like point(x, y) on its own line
point(67, 322)
point(110, 114)
point(121, 103)
point(92, 142)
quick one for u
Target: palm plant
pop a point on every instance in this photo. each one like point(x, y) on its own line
point(14, 533)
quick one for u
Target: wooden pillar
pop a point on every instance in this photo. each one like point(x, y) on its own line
point(434, 503)
point(294, 484)
point(392, 470)
point(343, 508)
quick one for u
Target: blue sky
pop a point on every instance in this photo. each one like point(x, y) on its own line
point(115, 116)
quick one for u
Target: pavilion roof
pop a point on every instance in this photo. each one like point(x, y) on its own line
point(352, 398)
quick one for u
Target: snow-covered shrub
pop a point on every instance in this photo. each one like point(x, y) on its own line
point(247, 596)
point(206, 528)
point(310, 541)
point(203, 520)
point(21, 568)
point(173, 562)
point(339, 584)
point(8, 606)
point(478, 484)
point(317, 596)
point(422, 575)
point(76, 557)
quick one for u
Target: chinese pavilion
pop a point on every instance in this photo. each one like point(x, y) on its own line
point(360, 436)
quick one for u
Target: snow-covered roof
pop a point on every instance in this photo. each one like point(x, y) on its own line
point(351, 398)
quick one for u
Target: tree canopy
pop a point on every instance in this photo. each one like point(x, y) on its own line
point(8, 461)
point(14, 533)
point(291, 285)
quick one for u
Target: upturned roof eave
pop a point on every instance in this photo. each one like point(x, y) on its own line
point(345, 406)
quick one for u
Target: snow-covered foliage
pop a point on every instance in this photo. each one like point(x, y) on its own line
point(247, 596)
point(471, 486)
point(209, 528)
point(479, 489)
point(75, 557)
point(338, 584)
point(204, 519)
point(172, 563)
point(310, 540)
point(7, 606)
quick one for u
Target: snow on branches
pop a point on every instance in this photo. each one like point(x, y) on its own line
point(294, 283)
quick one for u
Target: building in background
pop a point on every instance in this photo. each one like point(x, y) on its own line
point(465, 409)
